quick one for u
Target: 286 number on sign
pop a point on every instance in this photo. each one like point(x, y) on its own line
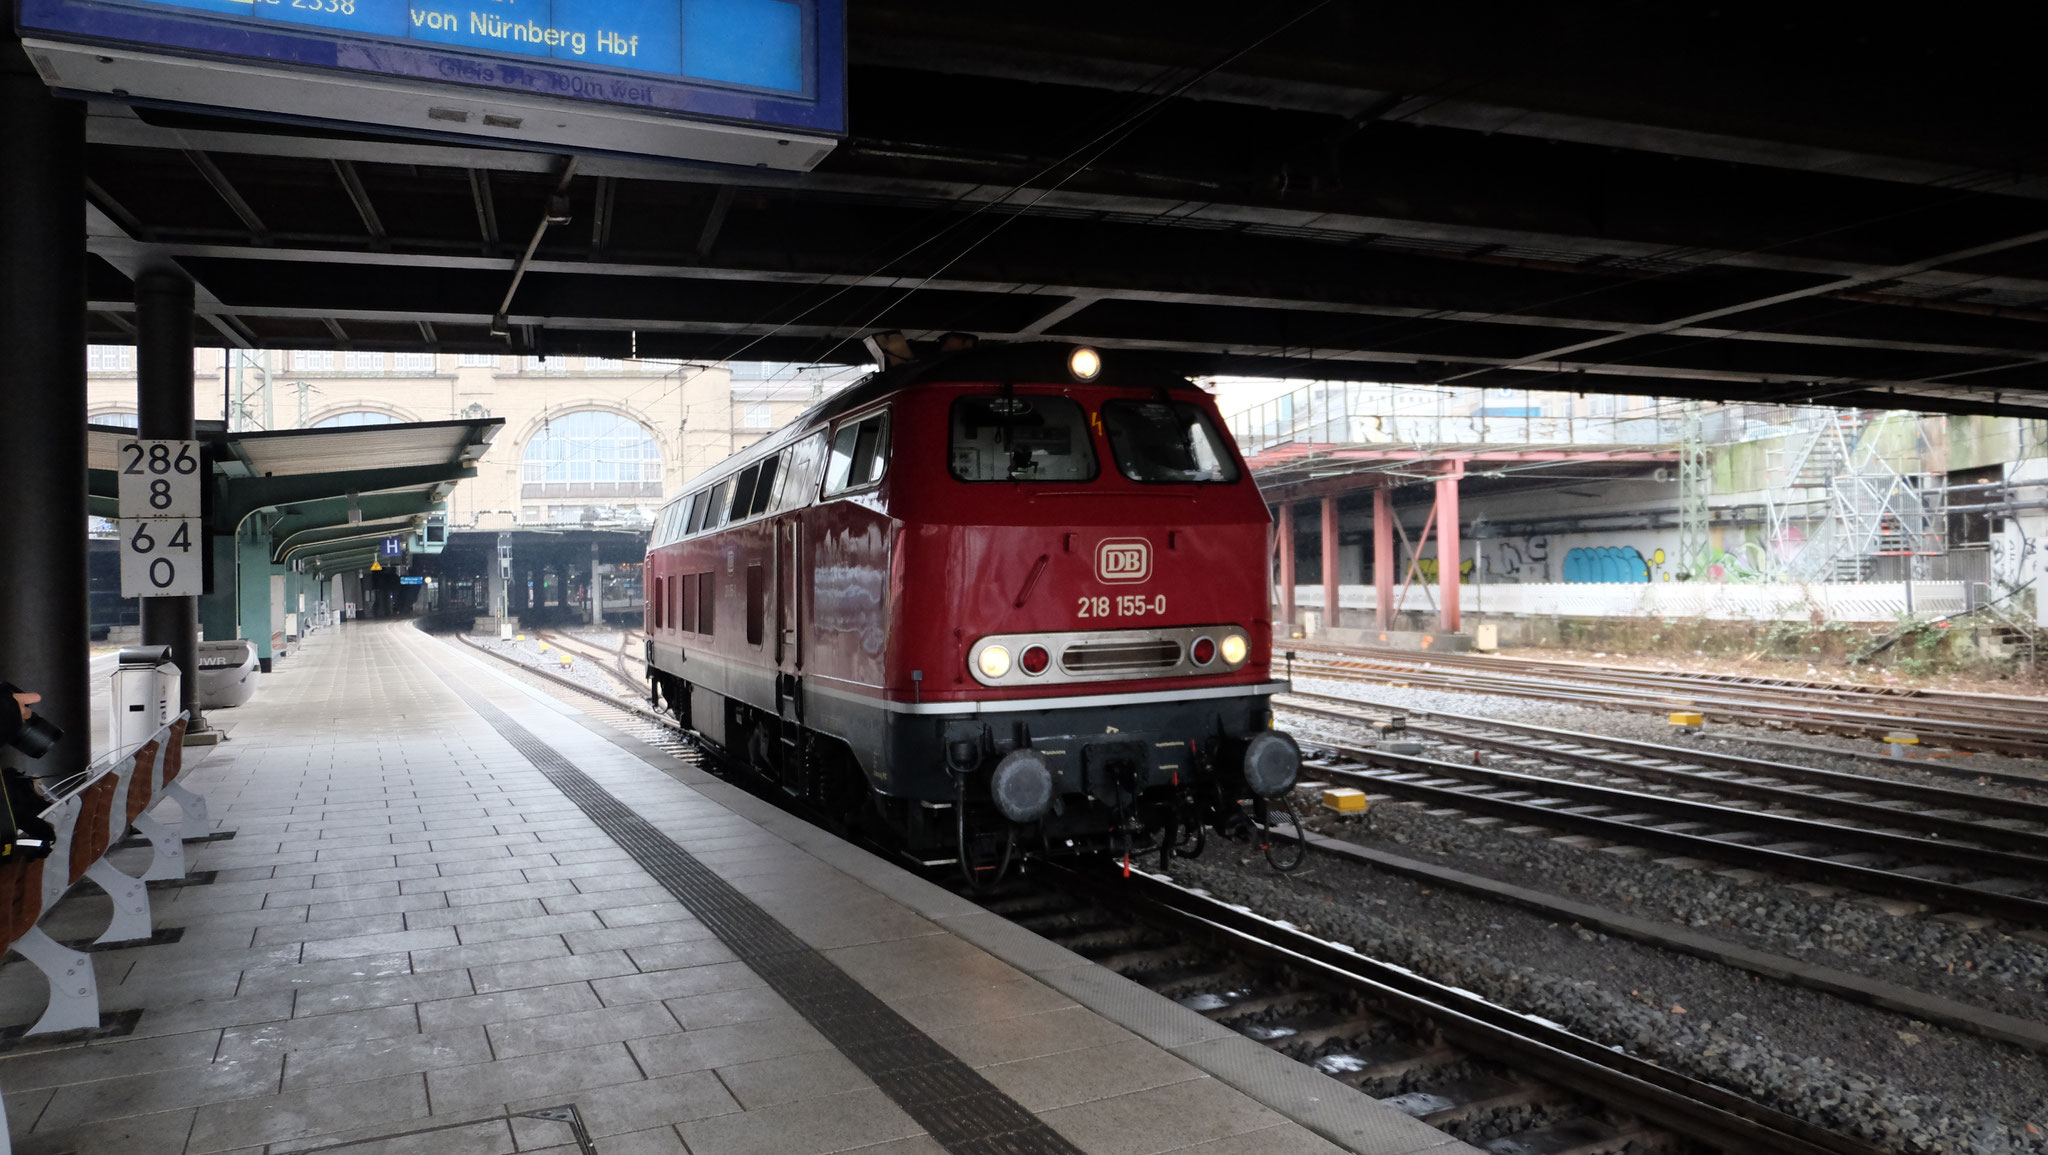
point(158, 478)
point(162, 557)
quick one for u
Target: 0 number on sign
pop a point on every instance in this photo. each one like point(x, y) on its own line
point(162, 557)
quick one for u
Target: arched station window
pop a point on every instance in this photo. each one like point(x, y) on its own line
point(118, 420)
point(350, 420)
point(592, 454)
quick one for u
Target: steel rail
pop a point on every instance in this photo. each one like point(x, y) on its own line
point(2025, 709)
point(1691, 1107)
point(1962, 735)
point(1687, 1106)
point(2003, 806)
point(1870, 880)
point(2020, 841)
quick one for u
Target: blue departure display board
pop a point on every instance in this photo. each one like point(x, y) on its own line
point(771, 63)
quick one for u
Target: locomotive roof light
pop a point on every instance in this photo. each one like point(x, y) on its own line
point(993, 661)
point(1084, 363)
point(1235, 648)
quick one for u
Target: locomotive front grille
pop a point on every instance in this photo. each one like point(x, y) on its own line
point(1121, 657)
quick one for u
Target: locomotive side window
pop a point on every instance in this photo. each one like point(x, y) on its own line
point(800, 474)
point(757, 603)
point(1012, 437)
point(764, 485)
point(697, 512)
point(743, 493)
point(717, 501)
point(860, 452)
point(1166, 441)
point(682, 517)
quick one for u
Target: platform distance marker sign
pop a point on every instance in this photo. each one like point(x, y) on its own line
point(163, 539)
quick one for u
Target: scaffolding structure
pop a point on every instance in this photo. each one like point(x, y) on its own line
point(1838, 511)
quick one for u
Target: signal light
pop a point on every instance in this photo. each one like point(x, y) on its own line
point(1203, 651)
point(1084, 363)
point(1034, 660)
point(994, 661)
point(1235, 648)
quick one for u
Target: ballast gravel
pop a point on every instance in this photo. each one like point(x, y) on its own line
point(583, 670)
point(1996, 966)
point(1908, 1085)
point(1723, 735)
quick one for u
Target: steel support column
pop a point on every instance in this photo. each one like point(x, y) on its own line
point(163, 394)
point(1286, 536)
point(596, 589)
point(252, 550)
point(1383, 561)
point(217, 610)
point(1447, 548)
point(1332, 575)
point(43, 604)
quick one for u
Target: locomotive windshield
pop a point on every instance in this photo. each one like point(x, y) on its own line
point(1015, 437)
point(1166, 441)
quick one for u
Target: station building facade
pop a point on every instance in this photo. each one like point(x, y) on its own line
point(586, 440)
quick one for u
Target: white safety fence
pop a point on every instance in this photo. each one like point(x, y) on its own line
point(90, 815)
point(1716, 601)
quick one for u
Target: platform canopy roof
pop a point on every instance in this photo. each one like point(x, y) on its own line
point(325, 497)
point(1723, 201)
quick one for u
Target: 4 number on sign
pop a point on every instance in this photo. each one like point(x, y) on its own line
point(160, 518)
point(159, 557)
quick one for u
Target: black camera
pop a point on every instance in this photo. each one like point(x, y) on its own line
point(38, 734)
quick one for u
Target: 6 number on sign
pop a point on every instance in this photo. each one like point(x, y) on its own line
point(158, 559)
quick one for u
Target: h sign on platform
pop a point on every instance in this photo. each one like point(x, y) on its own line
point(392, 547)
point(163, 540)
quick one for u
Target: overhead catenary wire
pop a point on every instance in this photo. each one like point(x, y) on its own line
point(1092, 149)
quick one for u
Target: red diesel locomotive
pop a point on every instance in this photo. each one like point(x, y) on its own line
point(999, 599)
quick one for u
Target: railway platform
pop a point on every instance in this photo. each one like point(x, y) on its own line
point(445, 912)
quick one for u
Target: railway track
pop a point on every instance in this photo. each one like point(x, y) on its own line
point(621, 665)
point(1617, 809)
point(1989, 723)
point(1513, 1082)
point(1486, 1074)
point(1995, 820)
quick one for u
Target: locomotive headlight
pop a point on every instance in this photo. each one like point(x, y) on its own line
point(1084, 363)
point(1235, 648)
point(993, 661)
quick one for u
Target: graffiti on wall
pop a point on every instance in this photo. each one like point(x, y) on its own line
point(1426, 569)
point(2011, 552)
point(1607, 563)
point(1515, 559)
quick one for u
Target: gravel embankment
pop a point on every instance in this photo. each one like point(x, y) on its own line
point(582, 669)
point(1998, 966)
point(1823, 751)
point(1883, 1077)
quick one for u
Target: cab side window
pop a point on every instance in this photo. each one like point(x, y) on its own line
point(800, 474)
point(860, 454)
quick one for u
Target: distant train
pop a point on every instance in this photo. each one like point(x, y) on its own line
point(996, 600)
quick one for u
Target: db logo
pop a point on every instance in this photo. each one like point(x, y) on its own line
point(1123, 559)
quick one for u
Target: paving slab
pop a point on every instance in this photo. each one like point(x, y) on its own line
point(428, 922)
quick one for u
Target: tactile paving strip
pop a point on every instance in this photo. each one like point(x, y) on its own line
point(964, 1112)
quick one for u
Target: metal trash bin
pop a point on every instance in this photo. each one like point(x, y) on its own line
point(146, 690)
